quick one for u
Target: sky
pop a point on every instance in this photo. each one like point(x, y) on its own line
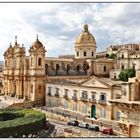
point(59, 24)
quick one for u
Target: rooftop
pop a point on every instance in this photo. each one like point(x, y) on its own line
point(110, 81)
point(124, 101)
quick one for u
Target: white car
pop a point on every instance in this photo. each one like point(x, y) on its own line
point(83, 125)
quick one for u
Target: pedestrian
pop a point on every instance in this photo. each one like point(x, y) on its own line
point(101, 124)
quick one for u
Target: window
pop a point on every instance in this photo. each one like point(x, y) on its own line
point(84, 109)
point(92, 53)
point(77, 53)
point(74, 106)
point(92, 97)
point(39, 61)
point(31, 88)
point(5, 63)
point(75, 93)
point(31, 61)
point(103, 113)
point(85, 53)
point(102, 97)
point(118, 115)
point(104, 68)
point(133, 66)
point(39, 88)
point(66, 91)
point(122, 66)
point(49, 89)
point(122, 55)
point(84, 95)
point(65, 105)
point(57, 90)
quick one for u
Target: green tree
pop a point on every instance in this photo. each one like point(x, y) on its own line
point(112, 56)
point(125, 74)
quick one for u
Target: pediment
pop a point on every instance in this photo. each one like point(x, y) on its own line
point(95, 82)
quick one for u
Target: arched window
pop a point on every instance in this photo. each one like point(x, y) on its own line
point(104, 68)
point(31, 88)
point(39, 61)
point(31, 61)
point(85, 53)
point(39, 88)
point(5, 63)
point(92, 53)
point(77, 53)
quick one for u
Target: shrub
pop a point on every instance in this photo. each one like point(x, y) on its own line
point(26, 122)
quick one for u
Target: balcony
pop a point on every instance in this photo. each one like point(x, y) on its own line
point(49, 94)
point(93, 101)
point(66, 97)
point(56, 95)
point(84, 99)
point(75, 98)
point(102, 102)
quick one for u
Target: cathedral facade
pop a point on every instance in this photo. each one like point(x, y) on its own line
point(24, 76)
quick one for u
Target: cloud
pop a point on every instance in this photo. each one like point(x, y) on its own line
point(58, 24)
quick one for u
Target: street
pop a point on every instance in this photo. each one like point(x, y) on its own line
point(60, 128)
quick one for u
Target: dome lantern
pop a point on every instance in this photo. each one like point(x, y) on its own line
point(85, 28)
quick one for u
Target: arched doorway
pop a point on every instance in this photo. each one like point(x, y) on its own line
point(57, 68)
point(93, 111)
point(78, 68)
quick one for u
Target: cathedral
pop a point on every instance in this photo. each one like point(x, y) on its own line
point(24, 76)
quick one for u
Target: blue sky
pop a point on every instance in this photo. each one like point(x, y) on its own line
point(58, 24)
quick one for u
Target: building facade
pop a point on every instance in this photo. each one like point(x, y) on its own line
point(129, 106)
point(24, 76)
point(87, 96)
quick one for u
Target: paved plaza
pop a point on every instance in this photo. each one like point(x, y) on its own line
point(6, 101)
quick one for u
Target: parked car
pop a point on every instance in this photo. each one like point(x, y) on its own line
point(46, 125)
point(83, 125)
point(108, 131)
point(73, 123)
point(94, 128)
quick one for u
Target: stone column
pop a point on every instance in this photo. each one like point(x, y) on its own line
point(17, 89)
point(8, 86)
point(20, 89)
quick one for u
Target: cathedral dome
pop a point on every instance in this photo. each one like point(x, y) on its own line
point(37, 44)
point(85, 38)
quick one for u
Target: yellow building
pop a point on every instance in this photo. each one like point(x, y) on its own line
point(24, 76)
point(88, 96)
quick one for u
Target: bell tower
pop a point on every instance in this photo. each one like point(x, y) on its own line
point(37, 71)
